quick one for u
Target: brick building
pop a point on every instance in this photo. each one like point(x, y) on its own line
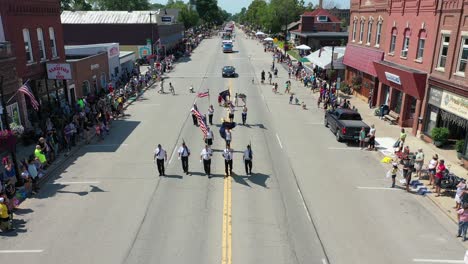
point(447, 91)
point(319, 28)
point(34, 29)
point(10, 83)
point(366, 45)
point(341, 13)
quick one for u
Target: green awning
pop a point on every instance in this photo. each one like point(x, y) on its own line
point(304, 59)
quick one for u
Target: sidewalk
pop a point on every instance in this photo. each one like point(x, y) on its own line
point(387, 134)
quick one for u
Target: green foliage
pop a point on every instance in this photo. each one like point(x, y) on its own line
point(459, 145)
point(188, 17)
point(440, 134)
point(75, 5)
point(127, 5)
point(156, 6)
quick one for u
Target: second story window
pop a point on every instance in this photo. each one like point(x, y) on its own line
point(40, 39)
point(443, 51)
point(379, 32)
point(53, 43)
point(421, 43)
point(463, 60)
point(361, 32)
point(369, 32)
point(354, 30)
point(406, 41)
point(27, 46)
point(393, 40)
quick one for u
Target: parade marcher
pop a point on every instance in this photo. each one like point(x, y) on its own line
point(236, 102)
point(194, 117)
point(191, 89)
point(209, 137)
point(231, 113)
point(244, 115)
point(248, 157)
point(227, 154)
point(205, 156)
point(371, 138)
point(210, 114)
point(184, 154)
point(160, 156)
point(228, 136)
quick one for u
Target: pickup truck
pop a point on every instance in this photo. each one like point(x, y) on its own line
point(345, 124)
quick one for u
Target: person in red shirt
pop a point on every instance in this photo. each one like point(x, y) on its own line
point(438, 177)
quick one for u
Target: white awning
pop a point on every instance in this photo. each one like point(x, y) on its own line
point(322, 58)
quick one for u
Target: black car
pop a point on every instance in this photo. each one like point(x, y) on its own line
point(345, 124)
point(229, 71)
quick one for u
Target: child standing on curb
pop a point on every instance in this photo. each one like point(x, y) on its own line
point(393, 172)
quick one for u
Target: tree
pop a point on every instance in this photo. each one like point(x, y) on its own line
point(75, 5)
point(126, 5)
point(188, 17)
point(156, 6)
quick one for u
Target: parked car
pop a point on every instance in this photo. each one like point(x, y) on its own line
point(229, 71)
point(345, 124)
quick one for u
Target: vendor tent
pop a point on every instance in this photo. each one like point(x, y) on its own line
point(303, 47)
point(259, 33)
point(268, 39)
point(322, 58)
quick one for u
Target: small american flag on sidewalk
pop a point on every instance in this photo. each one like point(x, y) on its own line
point(201, 95)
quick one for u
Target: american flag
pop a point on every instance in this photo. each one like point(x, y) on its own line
point(201, 95)
point(27, 92)
point(201, 123)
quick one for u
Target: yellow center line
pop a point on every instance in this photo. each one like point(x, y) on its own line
point(227, 214)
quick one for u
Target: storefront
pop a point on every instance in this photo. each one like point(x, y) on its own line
point(446, 109)
point(403, 90)
point(360, 71)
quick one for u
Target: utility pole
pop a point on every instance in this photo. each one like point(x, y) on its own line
point(152, 33)
point(7, 127)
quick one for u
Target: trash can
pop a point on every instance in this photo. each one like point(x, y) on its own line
point(384, 109)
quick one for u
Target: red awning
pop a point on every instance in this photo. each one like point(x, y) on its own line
point(362, 59)
point(407, 80)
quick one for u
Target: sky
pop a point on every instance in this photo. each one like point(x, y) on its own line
point(234, 6)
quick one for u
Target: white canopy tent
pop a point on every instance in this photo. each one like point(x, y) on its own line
point(322, 58)
point(268, 39)
point(303, 47)
point(259, 33)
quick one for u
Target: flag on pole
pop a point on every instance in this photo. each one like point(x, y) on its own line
point(201, 121)
point(201, 95)
point(27, 92)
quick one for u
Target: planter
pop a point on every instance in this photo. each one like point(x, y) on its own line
point(459, 155)
point(438, 143)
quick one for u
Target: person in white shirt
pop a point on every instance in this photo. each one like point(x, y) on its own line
point(228, 137)
point(228, 155)
point(205, 156)
point(194, 117)
point(209, 137)
point(184, 154)
point(210, 114)
point(244, 115)
point(231, 113)
point(160, 156)
point(248, 157)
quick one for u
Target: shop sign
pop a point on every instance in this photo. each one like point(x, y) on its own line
point(455, 104)
point(166, 19)
point(435, 97)
point(393, 78)
point(113, 51)
point(59, 71)
point(144, 51)
point(94, 66)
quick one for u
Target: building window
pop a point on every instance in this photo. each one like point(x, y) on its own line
point(463, 60)
point(27, 46)
point(406, 41)
point(379, 31)
point(86, 88)
point(361, 32)
point(53, 43)
point(40, 39)
point(369, 32)
point(393, 40)
point(443, 51)
point(354, 30)
point(421, 43)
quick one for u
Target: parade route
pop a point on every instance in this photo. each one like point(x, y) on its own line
point(310, 199)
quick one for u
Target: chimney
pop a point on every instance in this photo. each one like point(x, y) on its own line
point(320, 3)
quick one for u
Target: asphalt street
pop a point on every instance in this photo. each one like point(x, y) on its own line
point(310, 199)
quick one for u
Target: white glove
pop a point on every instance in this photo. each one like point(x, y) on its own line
point(178, 158)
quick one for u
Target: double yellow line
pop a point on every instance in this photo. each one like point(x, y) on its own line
point(227, 222)
point(226, 258)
